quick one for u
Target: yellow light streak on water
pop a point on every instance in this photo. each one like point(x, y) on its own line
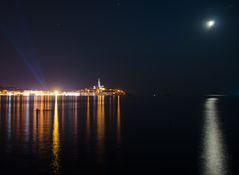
point(100, 130)
point(55, 141)
point(88, 119)
point(118, 129)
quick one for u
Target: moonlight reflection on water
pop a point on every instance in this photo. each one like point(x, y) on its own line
point(213, 155)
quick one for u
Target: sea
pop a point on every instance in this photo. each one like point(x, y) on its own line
point(119, 135)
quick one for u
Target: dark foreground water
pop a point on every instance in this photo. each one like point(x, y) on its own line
point(119, 135)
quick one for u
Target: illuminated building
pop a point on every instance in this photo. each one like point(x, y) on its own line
point(95, 91)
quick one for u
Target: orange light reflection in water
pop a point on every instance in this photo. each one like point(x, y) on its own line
point(33, 123)
point(100, 128)
point(118, 128)
point(55, 141)
point(75, 119)
point(88, 119)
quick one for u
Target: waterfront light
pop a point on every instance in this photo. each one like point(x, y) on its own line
point(81, 92)
point(56, 92)
point(26, 94)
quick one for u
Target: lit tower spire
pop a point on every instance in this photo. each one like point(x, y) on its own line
point(99, 86)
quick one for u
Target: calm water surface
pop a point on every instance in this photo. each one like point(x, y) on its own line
point(119, 135)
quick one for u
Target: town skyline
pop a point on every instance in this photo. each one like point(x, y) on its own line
point(98, 89)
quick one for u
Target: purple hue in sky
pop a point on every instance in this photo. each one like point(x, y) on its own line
point(141, 46)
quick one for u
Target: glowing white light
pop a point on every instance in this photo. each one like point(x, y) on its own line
point(72, 94)
point(210, 24)
point(56, 92)
point(26, 94)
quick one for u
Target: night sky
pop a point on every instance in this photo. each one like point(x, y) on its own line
point(141, 46)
